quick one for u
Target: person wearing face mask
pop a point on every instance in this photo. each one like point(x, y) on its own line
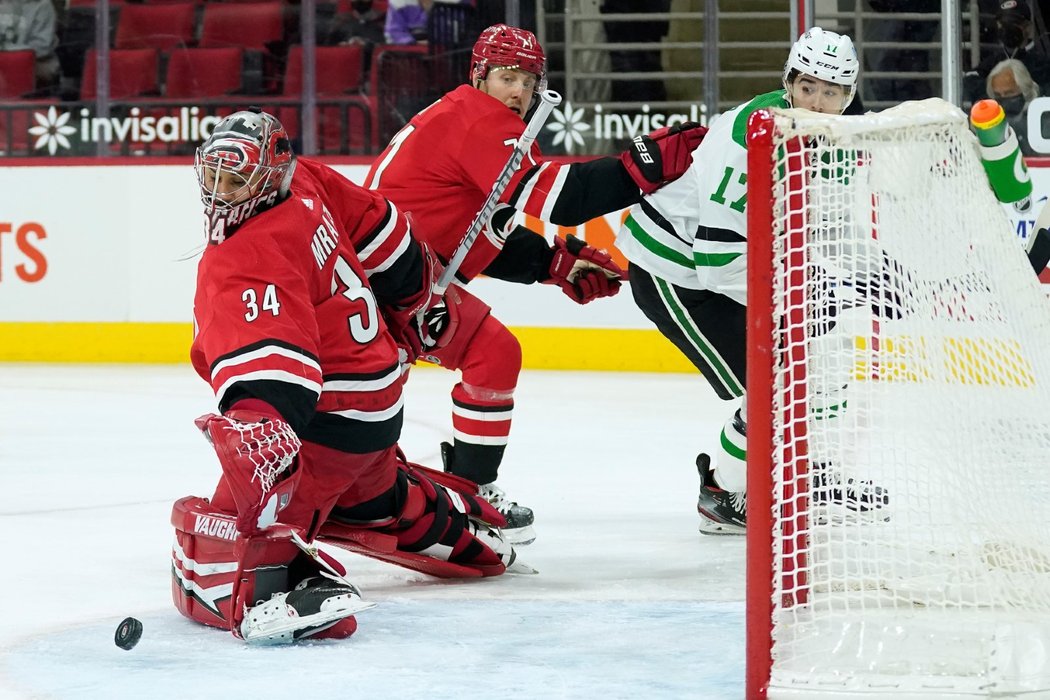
point(1011, 85)
point(1015, 33)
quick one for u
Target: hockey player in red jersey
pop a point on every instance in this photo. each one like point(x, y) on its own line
point(441, 167)
point(308, 381)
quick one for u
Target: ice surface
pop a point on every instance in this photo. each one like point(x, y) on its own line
point(630, 601)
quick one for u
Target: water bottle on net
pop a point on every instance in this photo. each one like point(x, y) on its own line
point(1001, 155)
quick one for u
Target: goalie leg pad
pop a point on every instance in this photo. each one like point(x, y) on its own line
point(437, 529)
point(243, 584)
point(383, 547)
point(214, 572)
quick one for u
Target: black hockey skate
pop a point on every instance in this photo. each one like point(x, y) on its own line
point(834, 494)
point(519, 518)
point(721, 512)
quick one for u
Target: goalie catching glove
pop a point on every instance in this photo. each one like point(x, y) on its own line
point(424, 321)
point(257, 450)
point(583, 273)
point(664, 155)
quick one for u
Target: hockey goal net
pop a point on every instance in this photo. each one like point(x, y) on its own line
point(899, 345)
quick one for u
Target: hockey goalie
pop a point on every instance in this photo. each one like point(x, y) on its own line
point(307, 292)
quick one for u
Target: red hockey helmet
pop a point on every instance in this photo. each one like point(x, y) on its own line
point(503, 46)
point(252, 145)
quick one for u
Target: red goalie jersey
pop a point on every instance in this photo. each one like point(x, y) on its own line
point(285, 311)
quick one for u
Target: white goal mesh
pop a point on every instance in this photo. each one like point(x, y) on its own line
point(908, 347)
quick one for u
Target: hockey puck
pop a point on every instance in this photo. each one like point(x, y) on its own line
point(129, 632)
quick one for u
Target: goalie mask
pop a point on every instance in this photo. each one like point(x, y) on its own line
point(246, 164)
point(503, 46)
point(826, 56)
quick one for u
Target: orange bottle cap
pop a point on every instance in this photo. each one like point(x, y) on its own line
point(986, 114)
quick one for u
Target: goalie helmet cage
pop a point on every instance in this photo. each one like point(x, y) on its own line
point(896, 336)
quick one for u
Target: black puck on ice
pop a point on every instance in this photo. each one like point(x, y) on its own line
point(129, 631)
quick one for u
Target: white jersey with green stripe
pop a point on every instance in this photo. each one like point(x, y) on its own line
point(660, 234)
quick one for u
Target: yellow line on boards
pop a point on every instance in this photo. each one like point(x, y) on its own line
point(96, 342)
point(611, 350)
point(542, 348)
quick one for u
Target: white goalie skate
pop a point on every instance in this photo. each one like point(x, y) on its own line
point(313, 606)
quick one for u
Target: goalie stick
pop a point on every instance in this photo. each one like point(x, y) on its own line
point(549, 99)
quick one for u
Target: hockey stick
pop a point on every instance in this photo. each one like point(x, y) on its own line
point(549, 99)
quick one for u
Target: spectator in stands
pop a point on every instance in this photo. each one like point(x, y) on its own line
point(406, 21)
point(1015, 32)
point(30, 24)
point(1011, 85)
point(362, 25)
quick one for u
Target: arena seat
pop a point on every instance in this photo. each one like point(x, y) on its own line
point(17, 73)
point(250, 25)
point(132, 73)
point(339, 74)
point(204, 72)
point(162, 27)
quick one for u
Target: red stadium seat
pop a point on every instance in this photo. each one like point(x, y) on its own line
point(17, 73)
point(251, 25)
point(161, 27)
point(132, 72)
point(338, 70)
point(339, 73)
point(204, 72)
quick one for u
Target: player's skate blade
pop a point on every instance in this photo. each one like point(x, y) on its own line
point(519, 536)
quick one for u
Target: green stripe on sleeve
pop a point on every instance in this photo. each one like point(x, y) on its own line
point(656, 247)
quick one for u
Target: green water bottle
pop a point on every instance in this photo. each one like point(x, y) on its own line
point(1001, 155)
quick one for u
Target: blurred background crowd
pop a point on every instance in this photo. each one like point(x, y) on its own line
point(371, 64)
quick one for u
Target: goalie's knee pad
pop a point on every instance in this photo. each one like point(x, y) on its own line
point(730, 470)
point(214, 574)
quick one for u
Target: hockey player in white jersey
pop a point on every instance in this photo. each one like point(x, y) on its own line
point(687, 247)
